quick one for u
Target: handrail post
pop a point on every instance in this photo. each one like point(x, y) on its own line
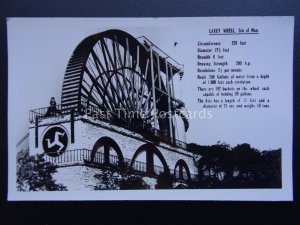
point(36, 131)
point(72, 126)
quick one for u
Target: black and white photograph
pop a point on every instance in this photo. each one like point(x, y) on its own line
point(150, 108)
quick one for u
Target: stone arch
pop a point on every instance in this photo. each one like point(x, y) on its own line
point(181, 164)
point(150, 150)
point(107, 143)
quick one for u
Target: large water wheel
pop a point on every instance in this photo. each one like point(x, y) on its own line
point(118, 74)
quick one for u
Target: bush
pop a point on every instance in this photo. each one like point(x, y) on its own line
point(164, 181)
point(133, 183)
point(114, 179)
point(35, 174)
point(109, 180)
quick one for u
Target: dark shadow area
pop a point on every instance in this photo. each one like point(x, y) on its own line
point(242, 166)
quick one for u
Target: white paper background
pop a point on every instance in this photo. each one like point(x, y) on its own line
point(39, 50)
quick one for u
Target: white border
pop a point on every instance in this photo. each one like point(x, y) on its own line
point(283, 194)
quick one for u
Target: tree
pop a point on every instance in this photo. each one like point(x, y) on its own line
point(35, 174)
point(214, 166)
point(221, 166)
point(247, 161)
point(270, 169)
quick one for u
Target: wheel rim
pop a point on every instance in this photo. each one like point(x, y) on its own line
point(111, 70)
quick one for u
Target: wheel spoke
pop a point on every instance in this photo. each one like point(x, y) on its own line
point(123, 74)
point(98, 87)
point(117, 75)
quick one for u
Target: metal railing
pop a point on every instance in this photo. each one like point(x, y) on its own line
point(70, 156)
point(83, 156)
point(160, 52)
point(44, 112)
point(184, 175)
point(169, 140)
point(54, 111)
point(139, 166)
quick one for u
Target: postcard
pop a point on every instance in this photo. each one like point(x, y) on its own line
point(150, 108)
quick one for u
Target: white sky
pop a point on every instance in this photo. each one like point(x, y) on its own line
point(39, 50)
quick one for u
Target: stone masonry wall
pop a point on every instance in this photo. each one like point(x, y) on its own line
point(88, 131)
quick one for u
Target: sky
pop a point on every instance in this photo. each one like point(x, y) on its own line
point(39, 50)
